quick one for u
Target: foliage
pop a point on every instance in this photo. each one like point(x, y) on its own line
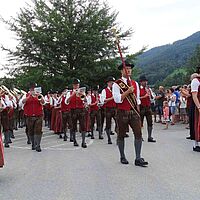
point(62, 39)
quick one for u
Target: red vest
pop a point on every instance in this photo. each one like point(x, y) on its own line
point(33, 107)
point(64, 106)
point(109, 104)
point(76, 102)
point(94, 99)
point(125, 105)
point(146, 102)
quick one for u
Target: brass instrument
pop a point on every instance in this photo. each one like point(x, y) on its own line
point(81, 93)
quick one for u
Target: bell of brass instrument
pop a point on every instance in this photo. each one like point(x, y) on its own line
point(39, 97)
point(81, 93)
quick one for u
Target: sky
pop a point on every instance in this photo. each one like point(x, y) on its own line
point(154, 22)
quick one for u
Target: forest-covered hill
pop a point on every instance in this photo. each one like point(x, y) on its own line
point(159, 62)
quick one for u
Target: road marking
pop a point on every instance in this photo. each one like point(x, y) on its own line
point(56, 149)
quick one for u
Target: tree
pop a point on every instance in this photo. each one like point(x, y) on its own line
point(62, 39)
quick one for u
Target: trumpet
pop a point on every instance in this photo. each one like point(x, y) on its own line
point(81, 93)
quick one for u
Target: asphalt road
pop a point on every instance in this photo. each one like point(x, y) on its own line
point(64, 172)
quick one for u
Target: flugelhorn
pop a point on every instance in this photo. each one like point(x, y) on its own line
point(81, 93)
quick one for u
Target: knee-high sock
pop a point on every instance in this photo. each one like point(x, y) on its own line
point(149, 130)
point(108, 131)
point(83, 137)
point(121, 145)
point(37, 139)
point(138, 147)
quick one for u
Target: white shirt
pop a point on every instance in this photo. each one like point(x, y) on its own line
point(172, 100)
point(89, 99)
point(195, 85)
point(183, 102)
point(103, 95)
point(117, 95)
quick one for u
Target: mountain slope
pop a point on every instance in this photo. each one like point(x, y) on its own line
point(159, 62)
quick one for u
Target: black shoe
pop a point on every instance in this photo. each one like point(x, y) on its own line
point(109, 142)
point(126, 135)
point(10, 141)
point(60, 136)
point(65, 138)
point(28, 142)
point(6, 145)
point(84, 145)
point(101, 137)
point(197, 149)
point(151, 140)
point(33, 147)
point(38, 149)
point(112, 133)
point(189, 138)
point(12, 136)
point(92, 137)
point(76, 144)
point(89, 135)
point(71, 140)
point(124, 161)
point(141, 162)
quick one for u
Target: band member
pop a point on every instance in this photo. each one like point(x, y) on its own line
point(48, 109)
point(145, 106)
point(2, 107)
point(54, 109)
point(76, 100)
point(87, 118)
point(195, 89)
point(33, 110)
point(95, 112)
point(66, 116)
point(109, 106)
point(127, 99)
point(5, 120)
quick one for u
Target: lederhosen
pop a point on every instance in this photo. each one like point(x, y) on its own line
point(127, 113)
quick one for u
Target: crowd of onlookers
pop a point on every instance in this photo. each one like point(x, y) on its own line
point(172, 104)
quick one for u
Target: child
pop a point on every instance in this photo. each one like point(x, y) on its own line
point(183, 106)
point(166, 114)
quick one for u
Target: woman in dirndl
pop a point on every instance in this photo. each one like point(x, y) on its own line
point(195, 89)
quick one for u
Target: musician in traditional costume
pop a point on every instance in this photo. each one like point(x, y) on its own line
point(76, 100)
point(145, 106)
point(95, 112)
point(109, 106)
point(48, 108)
point(195, 90)
point(127, 99)
point(2, 107)
point(33, 110)
point(5, 119)
point(66, 116)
